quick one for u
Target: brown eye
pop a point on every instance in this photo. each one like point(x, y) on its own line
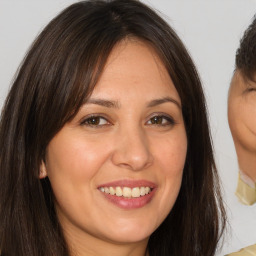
point(95, 121)
point(157, 120)
point(160, 120)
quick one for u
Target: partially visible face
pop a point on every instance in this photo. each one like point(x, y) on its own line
point(116, 168)
point(242, 112)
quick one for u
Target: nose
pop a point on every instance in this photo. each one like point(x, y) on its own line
point(132, 150)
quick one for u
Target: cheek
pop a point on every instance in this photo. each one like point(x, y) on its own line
point(171, 158)
point(242, 122)
point(73, 158)
point(171, 154)
point(173, 165)
point(72, 166)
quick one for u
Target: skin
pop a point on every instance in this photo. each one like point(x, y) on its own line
point(242, 122)
point(124, 145)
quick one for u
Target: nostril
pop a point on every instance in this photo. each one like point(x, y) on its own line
point(132, 156)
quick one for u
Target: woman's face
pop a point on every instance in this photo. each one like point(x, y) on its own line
point(116, 168)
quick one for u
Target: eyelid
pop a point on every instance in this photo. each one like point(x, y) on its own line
point(169, 118)
point(250, 89)
point(95, 115)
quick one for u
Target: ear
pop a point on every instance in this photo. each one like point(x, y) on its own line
point(43, 171)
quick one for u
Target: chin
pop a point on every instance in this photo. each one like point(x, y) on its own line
point(130, 233)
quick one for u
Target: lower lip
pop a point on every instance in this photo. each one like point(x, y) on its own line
point(130, 203)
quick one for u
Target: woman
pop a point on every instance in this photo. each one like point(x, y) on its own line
point(106, 148)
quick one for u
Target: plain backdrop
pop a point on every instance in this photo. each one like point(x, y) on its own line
point(211, 31)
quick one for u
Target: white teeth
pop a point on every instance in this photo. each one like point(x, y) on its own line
point(142, 191)
point(147, 190)
point(126, 192)
point(136, 192)
point(119, 191)
point(112, 191)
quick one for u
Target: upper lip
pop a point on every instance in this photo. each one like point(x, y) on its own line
point(129, 184)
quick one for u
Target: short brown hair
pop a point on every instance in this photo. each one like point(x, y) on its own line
point(246, 53)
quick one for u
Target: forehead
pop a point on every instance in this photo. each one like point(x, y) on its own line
point(133, 57)
point(135, 65)
point(241, 81)
point(238, 83)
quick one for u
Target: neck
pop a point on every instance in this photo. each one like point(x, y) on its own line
point(247, 162)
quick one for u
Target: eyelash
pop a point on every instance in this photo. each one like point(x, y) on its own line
point(95, 120)
point(168, 121)
point(250, 89)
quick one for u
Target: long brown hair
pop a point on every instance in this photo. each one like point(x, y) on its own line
point(57, 75)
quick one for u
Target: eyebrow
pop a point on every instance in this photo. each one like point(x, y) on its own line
point(104, 103)
point(116, 104)
point(156, 102)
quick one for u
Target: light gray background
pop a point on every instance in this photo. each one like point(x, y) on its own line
point(211, 30)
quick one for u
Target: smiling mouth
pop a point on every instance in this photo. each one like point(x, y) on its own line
point(129, 194)
point(126, 192)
